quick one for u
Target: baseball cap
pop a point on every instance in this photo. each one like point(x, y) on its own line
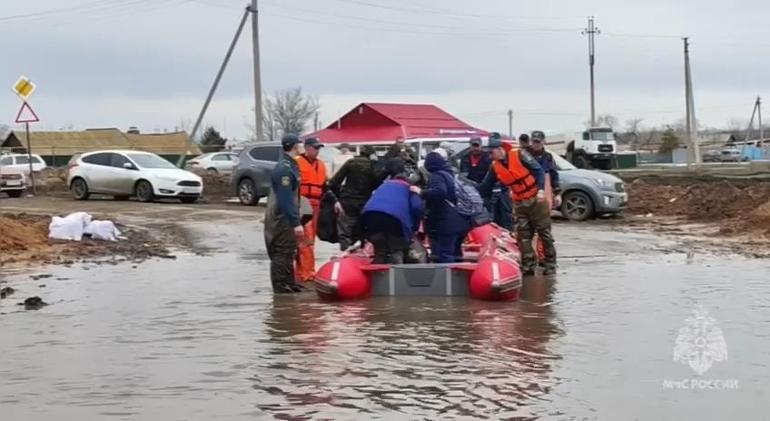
point(345, 146)
point(313, 142)
point(475, 141)
point(538, 135)
point(289, 140)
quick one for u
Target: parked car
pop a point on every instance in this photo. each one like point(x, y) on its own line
point(21, 162)
point(588, 193)
point(712, 156)
point(585, 193)
point(251, 177)
point(732, 155)
point(216, 162)
point(12, 181)
point(123, 174)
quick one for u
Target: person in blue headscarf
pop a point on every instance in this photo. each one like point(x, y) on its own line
point(445, 227)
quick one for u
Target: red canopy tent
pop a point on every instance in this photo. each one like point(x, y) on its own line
point(373, 122)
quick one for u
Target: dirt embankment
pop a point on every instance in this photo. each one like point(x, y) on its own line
point(24, 239)
point(737, 207)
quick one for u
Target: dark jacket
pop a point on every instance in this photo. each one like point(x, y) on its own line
point(545, 159)
point(354, 183)
point(394, 198)
point(475, 173)
point(441, 216)
point(283, 202)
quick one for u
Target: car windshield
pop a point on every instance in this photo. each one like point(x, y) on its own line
point(144, 160)
point(561, 163)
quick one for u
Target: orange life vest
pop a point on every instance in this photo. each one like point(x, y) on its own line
point(516, 176)
point(312, 177)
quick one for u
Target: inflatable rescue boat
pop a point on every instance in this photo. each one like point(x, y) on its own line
point(490, 272)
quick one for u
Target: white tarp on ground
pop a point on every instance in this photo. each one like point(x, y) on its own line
point(75, 225)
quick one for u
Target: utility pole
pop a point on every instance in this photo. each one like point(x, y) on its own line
point(590, 31)
point(257, 73)
point(213, 89)
point(761, 129)
point(693, 155)
point(315, 122)
point(510, 124)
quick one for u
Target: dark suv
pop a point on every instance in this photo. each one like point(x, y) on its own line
point(251, 178)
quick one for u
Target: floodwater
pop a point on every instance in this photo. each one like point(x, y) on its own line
point(204, 338)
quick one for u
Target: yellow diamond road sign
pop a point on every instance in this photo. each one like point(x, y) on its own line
point(24, 87)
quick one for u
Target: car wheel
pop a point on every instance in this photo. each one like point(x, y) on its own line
point(79, 189)
point(188, 199)
point(121, 198)
point(582, 162)
point(247, 192)
point(14, 193)
point(577, 206)
point(144, 191)
point(212, 171)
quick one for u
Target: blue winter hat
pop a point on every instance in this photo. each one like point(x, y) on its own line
point(435, 162)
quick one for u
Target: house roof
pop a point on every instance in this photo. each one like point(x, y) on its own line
point(66, 143)
point(386, 122)
point(72, 142)
point(162, 143)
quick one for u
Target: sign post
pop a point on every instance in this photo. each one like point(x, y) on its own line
point(24, 88)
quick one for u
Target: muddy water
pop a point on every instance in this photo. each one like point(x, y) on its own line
point(203, 338)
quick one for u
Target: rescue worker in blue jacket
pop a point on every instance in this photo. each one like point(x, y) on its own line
point(445, 227)
point(391, 216)
point(475, 165)
point(282, 217)
point(536, 148)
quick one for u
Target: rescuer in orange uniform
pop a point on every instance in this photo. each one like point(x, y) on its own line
point(312, 173)
point(519, 171)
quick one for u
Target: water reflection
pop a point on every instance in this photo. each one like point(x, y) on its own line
point(407, 356)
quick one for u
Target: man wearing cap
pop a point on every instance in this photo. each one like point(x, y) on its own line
point(341, 158)
point(282, 220)
point(475, 165)
point(536, 148)
point(312, 172)
point(497, 196)
point(519, 171)
point(353, 184)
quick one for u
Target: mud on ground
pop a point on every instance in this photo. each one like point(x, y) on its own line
point(730, 213)
point(24, 240)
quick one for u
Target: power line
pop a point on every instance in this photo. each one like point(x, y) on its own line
point(450, 13)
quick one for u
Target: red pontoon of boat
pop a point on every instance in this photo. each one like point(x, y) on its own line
point(490, 272)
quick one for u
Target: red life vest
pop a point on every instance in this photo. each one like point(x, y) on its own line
point(516, 176)
point(312, 177)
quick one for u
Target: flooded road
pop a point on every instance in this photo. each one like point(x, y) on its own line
point(204, 338)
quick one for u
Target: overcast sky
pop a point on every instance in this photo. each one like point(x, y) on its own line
point(149, 63)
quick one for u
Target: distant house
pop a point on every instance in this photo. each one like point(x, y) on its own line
point(58, 147)
point(164, 144)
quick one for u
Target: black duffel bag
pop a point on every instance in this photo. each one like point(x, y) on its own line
point(327, 219)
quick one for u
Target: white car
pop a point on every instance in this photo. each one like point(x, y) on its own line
point(12, 181)
point(21, 162)
point(216, 162)
point(123, 174)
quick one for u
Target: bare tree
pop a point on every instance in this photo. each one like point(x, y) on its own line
point(4, 130)
point(286, 111)
point(633, 126)
point(605, 120)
